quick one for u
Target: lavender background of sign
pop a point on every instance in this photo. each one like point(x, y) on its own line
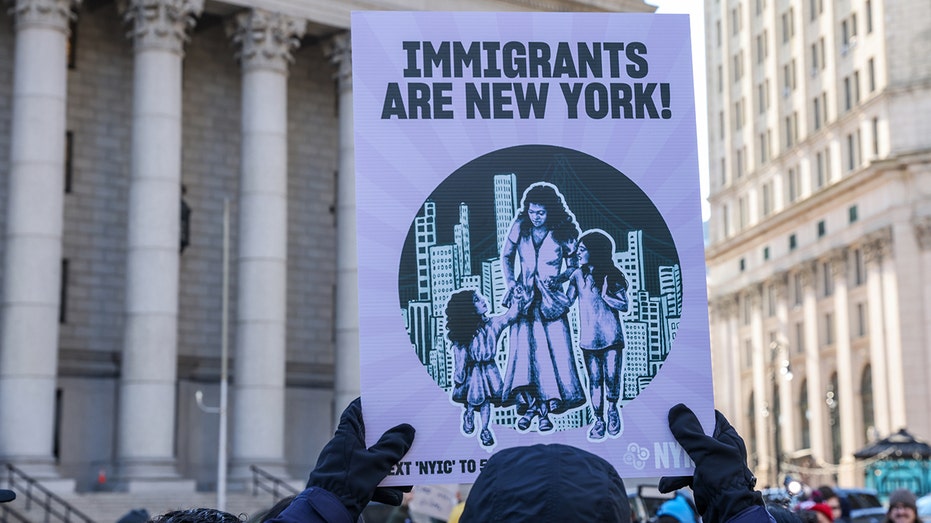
point(400, 162)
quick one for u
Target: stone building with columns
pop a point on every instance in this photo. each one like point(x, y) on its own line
point(112, 116)
point(819, 263)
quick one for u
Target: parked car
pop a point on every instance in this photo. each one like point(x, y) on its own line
point(924, 507)
point(864, 505)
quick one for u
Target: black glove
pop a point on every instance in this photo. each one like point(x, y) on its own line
point(352, 472)
point(723, 485)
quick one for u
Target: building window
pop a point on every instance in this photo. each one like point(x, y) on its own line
point(764, 155)
point(63, 292)
point(743, 264)
point(829, 328)
point(848, 31)
point(866, 402)
point(788, 77)
point(869, 16)
point(743, 212)
point(723, 172)
point(771, 306)
point(793, 242)
point(721, 123)
point(861, 320)
point(725, 215)
point(72, 49)
point(746, 310)
point(796, 288)
point(767, 198)
point(69, 157)
point(794, 184)
point(848, 95)
point(853, 150)
point(820, 170)
point(859, 270)
point(822, 229)
point(717, 32)
point(720, 78)
point(827, 283)
point(875, 128)
point(852, 213)
point(816, 112)
point(855, 81)
point(788, 25)
point(799, 330)
point(804, 415)
point(766, 253)
point(871, 74)
point(832, 400)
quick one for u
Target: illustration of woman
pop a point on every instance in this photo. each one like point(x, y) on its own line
point(601, 289)
point(476, 379)
point(541, 377)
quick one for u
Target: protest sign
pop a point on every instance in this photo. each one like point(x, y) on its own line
point(530, 249)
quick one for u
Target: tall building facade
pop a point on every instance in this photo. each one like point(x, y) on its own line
point(111, 299)
point(819, 261)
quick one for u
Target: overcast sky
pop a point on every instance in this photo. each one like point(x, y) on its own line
point(695, 8)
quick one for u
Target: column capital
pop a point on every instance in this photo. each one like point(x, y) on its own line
point(837, 258)
point(54, 14)
point(265, 39)
point(779, 283)
point(922, 226)
point(160, 24)
point(806, 272)
point(339, 51)
point(877, 245)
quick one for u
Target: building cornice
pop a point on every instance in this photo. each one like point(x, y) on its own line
point(813, 206)
point(337, 14)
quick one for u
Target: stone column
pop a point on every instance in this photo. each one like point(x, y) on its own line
point(347, 386)
point(817, 419)
point(737, 398)
point(761, 386)
point(723, 360)
point(873, 257)
point(787, 406)
point(894, 360)
point(265, 41)
point(846, 393)
point(29, 309)
point(146, 423)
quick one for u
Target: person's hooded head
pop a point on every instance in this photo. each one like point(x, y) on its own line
point(547, 483)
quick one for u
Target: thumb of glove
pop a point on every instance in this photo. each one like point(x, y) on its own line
point(391, 447)
point(669, 484)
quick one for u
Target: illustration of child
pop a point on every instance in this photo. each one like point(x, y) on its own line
point(476, 378)
point(601, 289)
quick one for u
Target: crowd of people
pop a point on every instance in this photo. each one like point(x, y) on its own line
point(824, 505)
point(545, 483)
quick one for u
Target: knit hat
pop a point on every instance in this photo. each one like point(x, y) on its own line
point(824, 509)
point(903, 497)
point(547, 483)
point(678, 508)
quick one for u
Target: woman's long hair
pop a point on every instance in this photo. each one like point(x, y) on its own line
point(600, 264)
point(462, 321)
point(558, 218)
